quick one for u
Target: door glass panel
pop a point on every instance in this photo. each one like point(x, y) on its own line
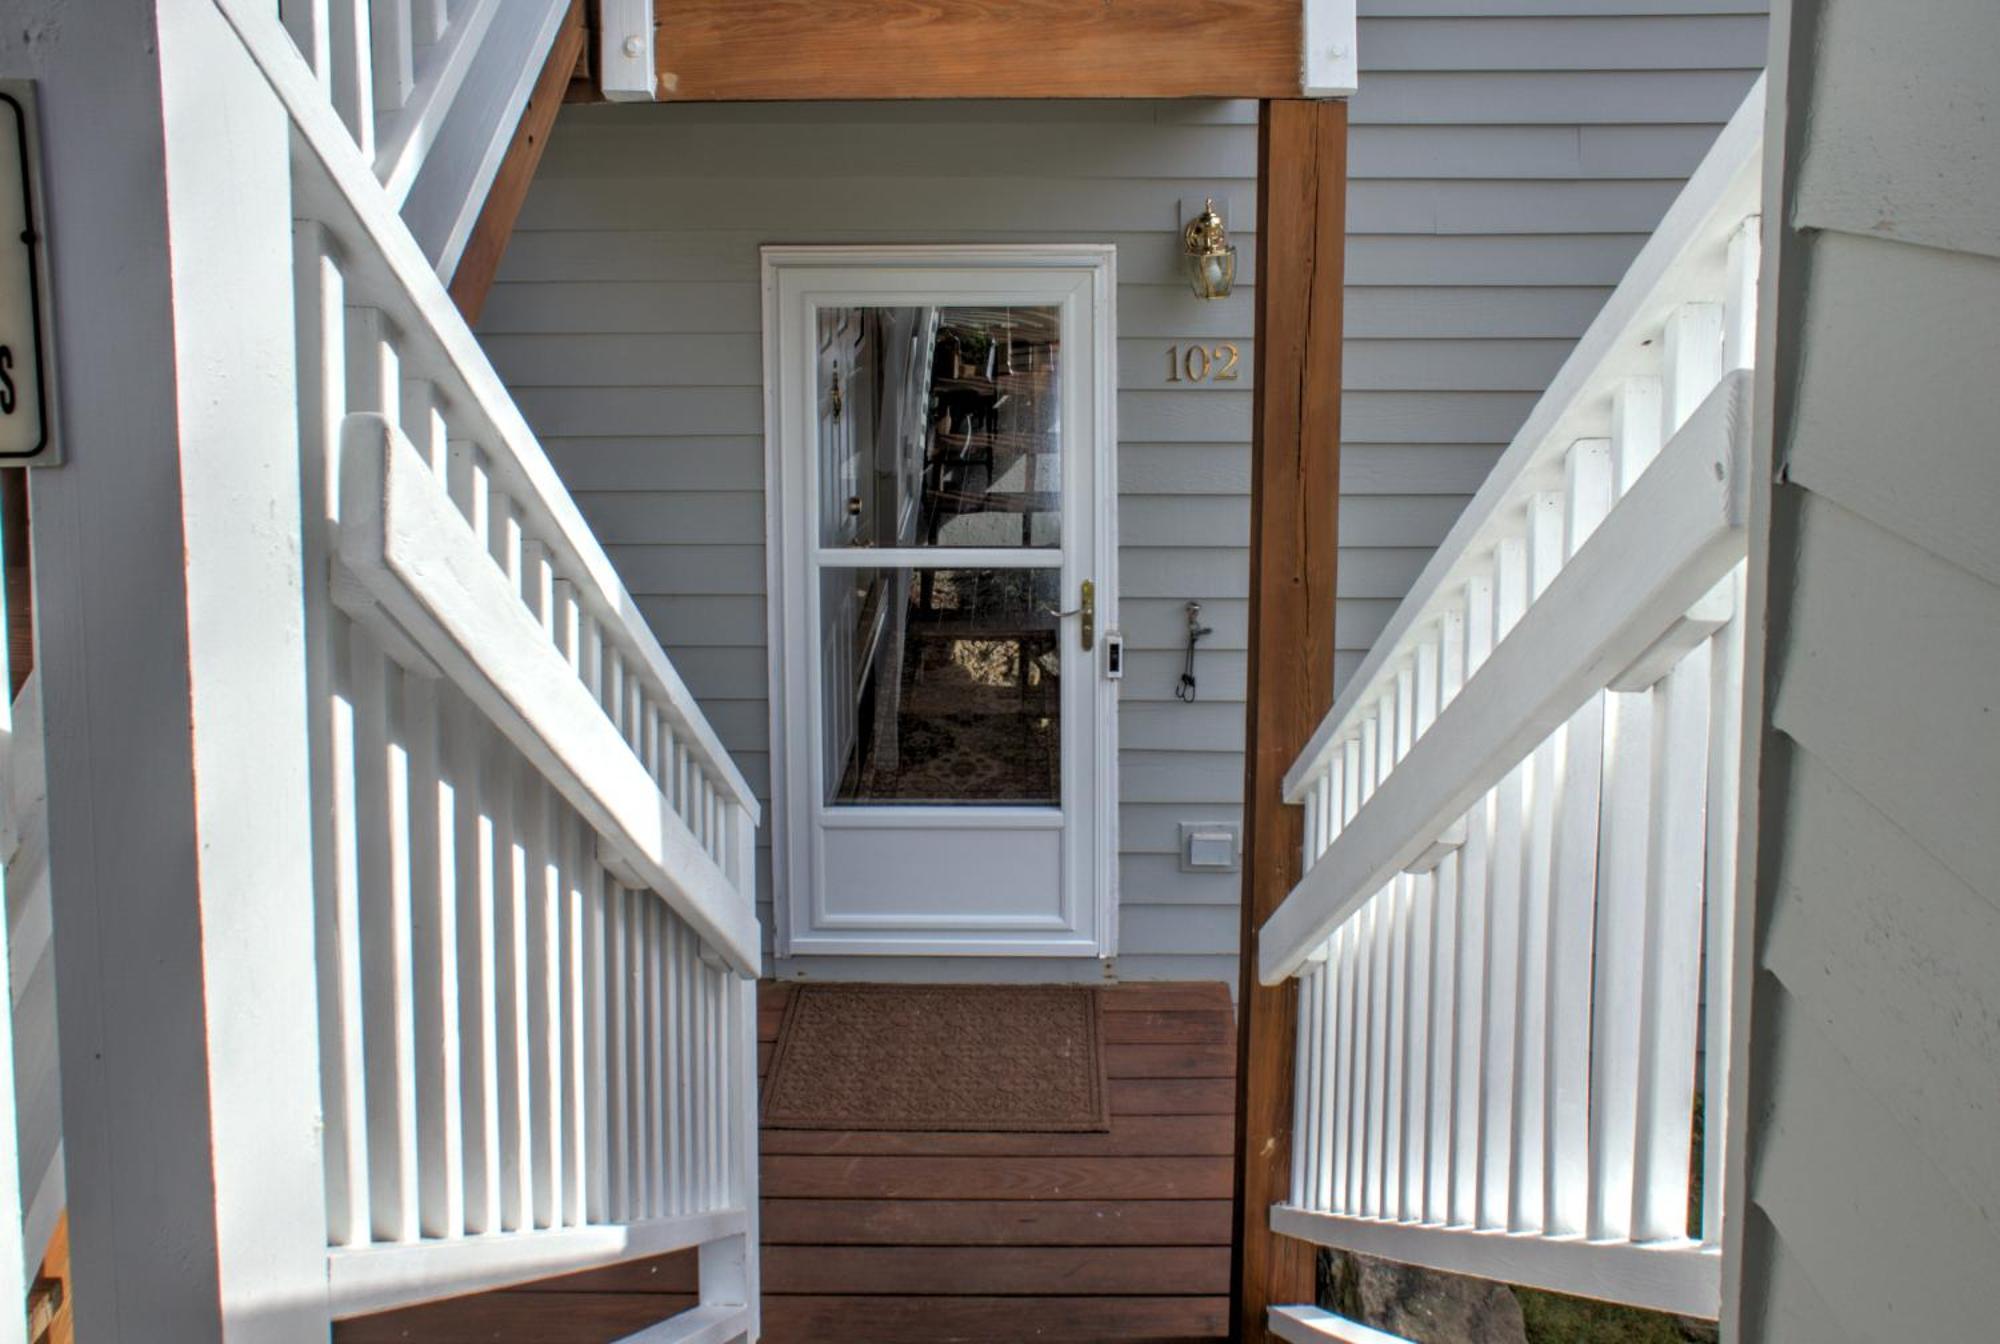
point(940, 426)
point(941, 686)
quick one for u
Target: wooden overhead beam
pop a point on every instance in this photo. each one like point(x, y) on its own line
point(480, 261)
point(1294, 535)
point(751, 50)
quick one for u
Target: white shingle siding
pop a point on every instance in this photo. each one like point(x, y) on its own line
point(1875, 1058)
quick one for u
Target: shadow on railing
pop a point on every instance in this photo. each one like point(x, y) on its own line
point(535, 872)
point(1521, 823)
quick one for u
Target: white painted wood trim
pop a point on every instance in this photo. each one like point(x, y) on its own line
point(625, 59)
point(421, 303)
point(932, 557)
point(1680, 263)
point(20, 771)
point(379, 1278)
point(786, 564)
point(1682, 1277)
point(488, 146)
point(407, 545)
point(699, 1325)
point(400, 153)
point(1330, 66)
point(1663, 546)
point(1310, 1325)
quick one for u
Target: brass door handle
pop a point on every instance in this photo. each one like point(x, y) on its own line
point(1086, 607)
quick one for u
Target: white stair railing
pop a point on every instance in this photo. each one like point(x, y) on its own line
point(430, 93)
point(28, 1127)
point(1520, 823)
point(535, 864)
point(24, 851)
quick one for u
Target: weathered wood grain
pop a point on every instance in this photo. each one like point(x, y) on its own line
point(1294, 493)
point(1082, 1223)
point(797, 49)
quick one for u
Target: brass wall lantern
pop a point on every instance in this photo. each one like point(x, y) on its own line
point(1210, 256)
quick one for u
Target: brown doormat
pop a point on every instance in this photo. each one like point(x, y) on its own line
point(998, 1058)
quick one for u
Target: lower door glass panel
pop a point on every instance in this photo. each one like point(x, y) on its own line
point(941, 686)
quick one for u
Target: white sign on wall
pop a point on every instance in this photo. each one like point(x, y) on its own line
point(25, 431)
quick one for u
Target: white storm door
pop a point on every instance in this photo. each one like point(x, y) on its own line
point(942, 563)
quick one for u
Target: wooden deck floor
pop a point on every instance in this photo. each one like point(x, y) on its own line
point(891, 1238)
point(884, 1237)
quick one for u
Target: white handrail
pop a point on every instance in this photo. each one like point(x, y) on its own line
point(535, 868)
point(1665, 546)
point(1685, 259)
point(30, 912)
point(412, 298)
point(1519, 823)
point(420, 564)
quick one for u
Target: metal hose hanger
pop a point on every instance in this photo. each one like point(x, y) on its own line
point(1185, 691)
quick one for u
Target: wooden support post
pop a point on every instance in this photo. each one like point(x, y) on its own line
point(1294, 499)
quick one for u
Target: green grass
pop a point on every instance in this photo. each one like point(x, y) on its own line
point(1554, 1319)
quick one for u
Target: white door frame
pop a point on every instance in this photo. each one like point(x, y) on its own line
point(798, 280)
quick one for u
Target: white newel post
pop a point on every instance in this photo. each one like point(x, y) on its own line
point(172, 657)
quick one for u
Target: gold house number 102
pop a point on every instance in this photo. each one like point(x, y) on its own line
point(1203, 363)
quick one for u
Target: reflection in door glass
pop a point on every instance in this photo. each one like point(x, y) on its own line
point(940, 426)
point(941, 685)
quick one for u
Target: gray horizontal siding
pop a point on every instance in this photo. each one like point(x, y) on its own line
point(1505, 170)
point(1876, 1002)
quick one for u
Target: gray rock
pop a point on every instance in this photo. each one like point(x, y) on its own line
point(1419, 1304)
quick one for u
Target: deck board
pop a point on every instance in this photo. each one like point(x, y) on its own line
point(880, 1237)
point(1003, 1237)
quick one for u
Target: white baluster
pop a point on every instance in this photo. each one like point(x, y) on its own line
point(568, 624)
point(504, 538)
point(1573, 894)
point(543, 973)
point(1380, 989)
point(1349, 1066)
point(516, 971)
point(1635, 430)
point(1320, 1193)
point(1672, 985)
point(423, 422)
point(576, 1047)
point(1447, 939)
point(1739, 319)
point(482, 759)
point(432, 864)
point(599, 1101)
point(1420, 963)
point(618, 986)
point(1691, 356)
point(1724, 784)
point(1499, 1077)
point(310, 23)
point(1542, 778)
point(1303, 1130)
point(351, 78)
point(428, 21)
point(388, 1028)
point(393, 44)
point(1475, 863)
point(538, 586)
point(653, 1171)
point(465, 482)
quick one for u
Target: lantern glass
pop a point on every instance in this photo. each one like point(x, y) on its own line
point(1212, 274)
